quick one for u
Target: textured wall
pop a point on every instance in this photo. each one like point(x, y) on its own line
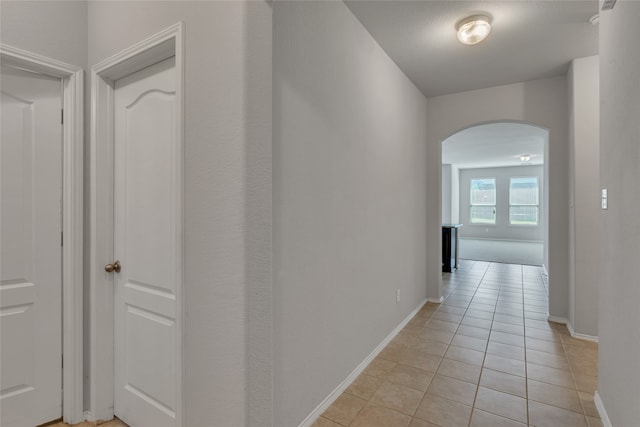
point(349, 160)
point(619, 295)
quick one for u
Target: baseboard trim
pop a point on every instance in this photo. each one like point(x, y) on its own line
point(315, 414)
point(573, 333)
point(436, 300)
point(606, 422)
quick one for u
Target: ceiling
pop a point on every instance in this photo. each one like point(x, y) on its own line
point(495, 145)
point(530, 40)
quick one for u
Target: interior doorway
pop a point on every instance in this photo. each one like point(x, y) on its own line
point(42, 186)
point(494, 183)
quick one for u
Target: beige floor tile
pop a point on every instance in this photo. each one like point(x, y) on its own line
point(469, 342)
point(485, 419)
point(460, 370)
point(553, 395)
point(453, 389)
point(512, 320)
point(543, 345)
point(508, 328)
point(364, 386)
point(443, 412)
point(474, 332)
point(541, 415)
point(509, 311)
point(436, 335)
point(588, 404)
point(409, 376)
point(547, 359)
point(506, 338)
point(432, 347)
point(393, 352)
point(421, 360)
point(586, 383)
point(324, 422)
point(550, 375)
point(504, 364)
point(451, 309)
point(587, 364)
point(476, 322)
point(489, 308)
point(595, 422)
point(378, 416)
point(344, 409)
point(413, 330)
point(397, 397)
point(479, 314)
point(466, 355)
point(379, 367)
point(442, 325)
point(502, 404)
point(448, 317)
point(506, 350)
point(416, 422)
point(505, 383)
point(542, 335)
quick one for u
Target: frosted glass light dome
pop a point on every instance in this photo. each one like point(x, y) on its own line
point(474, 29)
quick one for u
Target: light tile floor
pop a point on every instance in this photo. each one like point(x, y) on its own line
point(113, 423)
point(486, 356)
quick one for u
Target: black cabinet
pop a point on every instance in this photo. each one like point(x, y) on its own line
point(450, 247)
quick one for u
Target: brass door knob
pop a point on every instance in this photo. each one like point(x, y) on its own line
point(109, 268)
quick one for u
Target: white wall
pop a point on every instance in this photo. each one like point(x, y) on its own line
point(584, 131)
point(447, 193)
point(542, 103)
point(349, 201)
point(502, 229)
point(57, 29)
point(619, 295)
point(455, 194)
point(227, 279)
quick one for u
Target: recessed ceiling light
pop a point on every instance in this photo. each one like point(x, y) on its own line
point(473, 30)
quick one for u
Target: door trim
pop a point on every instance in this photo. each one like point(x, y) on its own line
point(72, 214)
point(163, 45)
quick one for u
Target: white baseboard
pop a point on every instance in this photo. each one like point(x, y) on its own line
point(436, 300)
point(606, 422)
point(315, 414)
point(573, 333)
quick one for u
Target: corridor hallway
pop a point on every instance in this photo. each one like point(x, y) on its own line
point(486, 356)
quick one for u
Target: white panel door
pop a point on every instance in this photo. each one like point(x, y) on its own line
point(146, 215)
point(30, 246)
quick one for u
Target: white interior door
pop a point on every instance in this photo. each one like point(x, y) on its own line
point(146, 229)
point(31, 252)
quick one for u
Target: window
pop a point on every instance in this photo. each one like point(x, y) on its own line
point(523, 201)
point(483, 201)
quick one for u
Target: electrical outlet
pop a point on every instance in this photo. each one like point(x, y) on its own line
point(397, 296)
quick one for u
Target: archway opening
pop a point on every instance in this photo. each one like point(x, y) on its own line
point(495, 183)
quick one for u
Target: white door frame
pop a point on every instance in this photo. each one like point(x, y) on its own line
point(72, 214)
point(156, 48)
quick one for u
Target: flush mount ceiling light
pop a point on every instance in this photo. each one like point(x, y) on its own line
point(525, 158)
point(474, 29)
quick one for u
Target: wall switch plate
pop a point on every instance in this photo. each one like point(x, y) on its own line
point(605, 200)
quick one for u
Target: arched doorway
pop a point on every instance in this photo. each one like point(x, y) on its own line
point(494, 179)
